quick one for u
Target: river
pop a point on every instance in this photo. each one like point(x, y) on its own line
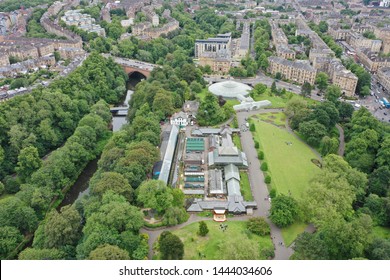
point(80, 187)
point(119, 120)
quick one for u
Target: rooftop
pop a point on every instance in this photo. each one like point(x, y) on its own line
point(229, 89)
point(168, 157)
point(301, 64)
point(215, 182)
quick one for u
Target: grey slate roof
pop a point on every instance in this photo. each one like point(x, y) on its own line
point(215, 182)
point(205, 131)
point(231, 171)
point(234, 204)
point(233, 186)
point(302, 64)
point(215, 159)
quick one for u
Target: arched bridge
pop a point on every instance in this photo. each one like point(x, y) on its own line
point(132, 66)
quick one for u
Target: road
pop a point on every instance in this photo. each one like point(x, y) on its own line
point(263, 79)
point(132, 62)
point(252, 42)
point(371, 102)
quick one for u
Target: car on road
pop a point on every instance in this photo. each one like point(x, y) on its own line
point(384, 113)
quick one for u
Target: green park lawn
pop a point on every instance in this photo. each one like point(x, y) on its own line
point(209, 245)
point(289, 166)
point(237, 141)
point(276, 118)
point(381, 232)
point(280, 101)
point(291, 232)
point(245, 187)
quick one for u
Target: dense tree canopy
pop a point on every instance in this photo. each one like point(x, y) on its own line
point(10, 238)
point(284, 210)
point(170, 246)
point(111, 181)
point(15, 213)
point(48, 116)
point(340, 186)
point(337, 240)
point(59, 229)
point(42, 254)
point(156, 195)
point(109, 252)
point(210, 112)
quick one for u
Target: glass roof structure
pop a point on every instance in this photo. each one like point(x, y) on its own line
point(230, 89)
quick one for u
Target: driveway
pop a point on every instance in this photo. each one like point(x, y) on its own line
point(259, 188)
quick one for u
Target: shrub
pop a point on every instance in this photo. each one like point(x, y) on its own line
point(203, 229)
point(235, 122)
point(257, 145)
point(258, 226)
point(2, 188)
point(272, 193)
point(267, 179)
point(264, 166)
point(268, 253)
point(261, 155)
point(252, 127)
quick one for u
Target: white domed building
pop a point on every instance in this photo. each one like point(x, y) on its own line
point(230, 90)
point(235, 90)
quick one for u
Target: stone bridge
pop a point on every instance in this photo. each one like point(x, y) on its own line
point(132, 66)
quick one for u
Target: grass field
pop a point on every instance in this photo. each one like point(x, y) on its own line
point(237, 141)
point(278, 119)
point(291, 232)
point(290, 166)
point(209, 245)
point(280, 101)
point(381, 232)
point(245, 187)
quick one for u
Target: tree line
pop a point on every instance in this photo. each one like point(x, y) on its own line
point(48, 116)
point(105, 224)
point(316, 123)
point(37, 123)
point(44, 182)
point(350, 197)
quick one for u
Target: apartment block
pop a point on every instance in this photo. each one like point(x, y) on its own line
point(384, 77)
point(372, 61)
point(357, 40)
point(298, 71)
